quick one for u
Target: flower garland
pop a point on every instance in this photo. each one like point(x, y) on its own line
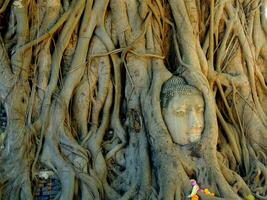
point(206, 191)
point(196, 189)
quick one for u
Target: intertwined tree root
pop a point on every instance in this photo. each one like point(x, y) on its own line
point(80, 82)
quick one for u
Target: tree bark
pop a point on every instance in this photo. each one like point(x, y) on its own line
point(81, 82)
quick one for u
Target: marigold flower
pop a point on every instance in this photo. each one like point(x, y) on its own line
point(195, 197)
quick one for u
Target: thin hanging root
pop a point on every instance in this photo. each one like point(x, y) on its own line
point(245, 152)
point(227, 152)
point(219, 9)
point(218, 14)
point(202, 59)
point(88, 25)
point(263, 16)
point(96, 138)
point(235, 181)
point(48, 34)
point(229, 113)
point(230, 137)
point(232, 46)
point(120, 20)
point(161, 9)
point(105, 116)
point(211, 36)
point(156, 15)
point(261, 79)
point(50, 17)
point(92, 88)
point(7, 77)
point(115, 122)
point(31, 100)
point(62, 43)
point(131, 193)
point(103, 87)
point(89, 184)
point(103, 35)
point(193, 14)
point(69, 146)
point(222, 50)
point(130, 46)
point(250, 61)
point(64, 170)
point(81, 105)
point(113, 152)
point(177, 51)
point(21, 59)
point(259, 150)
point(147, 55)
point(178, 193)
point(259, 183)
point(4, 6)
point(223, 187)
point(94, 145)
point(44, 67)
point(70, 143)
point(115, 51)
point(56, 59)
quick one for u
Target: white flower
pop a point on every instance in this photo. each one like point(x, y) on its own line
point(45, 174)
point(18, 3)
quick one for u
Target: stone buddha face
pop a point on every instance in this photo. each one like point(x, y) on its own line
point(183, 110)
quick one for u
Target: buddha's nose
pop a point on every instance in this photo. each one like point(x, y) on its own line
point(194, 120)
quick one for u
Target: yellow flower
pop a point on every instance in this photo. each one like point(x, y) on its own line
point(206, 191)
point(250, 197)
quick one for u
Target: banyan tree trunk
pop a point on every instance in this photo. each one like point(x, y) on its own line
point(80, 92)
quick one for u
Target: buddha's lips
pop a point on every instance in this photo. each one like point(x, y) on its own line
point(195, 131)
point(195, 135)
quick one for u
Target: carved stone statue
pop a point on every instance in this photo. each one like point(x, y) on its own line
point(182, 108)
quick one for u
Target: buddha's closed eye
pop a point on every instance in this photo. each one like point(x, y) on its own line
point(180, 112)
point(199, 108)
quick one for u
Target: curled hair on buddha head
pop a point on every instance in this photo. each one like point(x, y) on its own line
point(173, 86)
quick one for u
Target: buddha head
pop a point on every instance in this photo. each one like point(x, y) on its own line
point(183, 110)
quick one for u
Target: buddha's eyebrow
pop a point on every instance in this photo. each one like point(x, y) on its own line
point(180, 106)
point(200, 105)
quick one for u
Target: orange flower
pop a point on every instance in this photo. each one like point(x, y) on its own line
point(195, 197)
